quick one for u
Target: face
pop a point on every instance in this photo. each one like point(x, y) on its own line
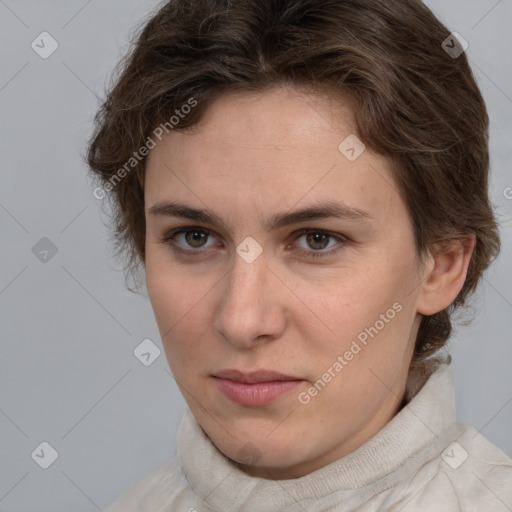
point(270, 247)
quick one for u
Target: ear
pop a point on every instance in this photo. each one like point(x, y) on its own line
point(449, 267)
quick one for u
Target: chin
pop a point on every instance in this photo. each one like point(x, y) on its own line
point(261, 456)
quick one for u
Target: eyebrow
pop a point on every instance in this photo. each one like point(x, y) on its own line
point(330, 209)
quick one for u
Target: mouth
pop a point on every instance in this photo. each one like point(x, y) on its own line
point(254, 389)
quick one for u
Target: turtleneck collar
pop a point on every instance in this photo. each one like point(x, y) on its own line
point(219, 481)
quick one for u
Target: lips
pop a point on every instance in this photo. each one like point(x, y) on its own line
point(254, 377)
point(254, 389)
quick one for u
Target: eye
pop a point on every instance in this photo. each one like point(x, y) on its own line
point(192, 239)
point(318, 240)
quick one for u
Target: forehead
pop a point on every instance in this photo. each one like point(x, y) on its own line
point(271, 150)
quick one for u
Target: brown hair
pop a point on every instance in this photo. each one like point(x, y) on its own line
point(416, 103)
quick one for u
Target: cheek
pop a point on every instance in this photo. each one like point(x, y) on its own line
point(180, 304)
point(346, 309)
point(172, 290)
point(368, 316)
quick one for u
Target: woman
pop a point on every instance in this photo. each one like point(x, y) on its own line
point(304, 184)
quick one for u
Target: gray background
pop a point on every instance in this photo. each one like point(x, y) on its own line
point(69, 326)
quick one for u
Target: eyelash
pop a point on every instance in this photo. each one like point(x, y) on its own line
point(171, 235)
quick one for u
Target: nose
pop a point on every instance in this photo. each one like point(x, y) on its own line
point(252, 308)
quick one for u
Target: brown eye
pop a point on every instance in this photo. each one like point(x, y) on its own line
point(196, 237)
point(189, 240)
point(316, 243)
point(317, 240)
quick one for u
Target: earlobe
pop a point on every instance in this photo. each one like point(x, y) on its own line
point(445, 280)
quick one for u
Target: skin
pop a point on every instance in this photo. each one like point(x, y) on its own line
point(251, 156)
